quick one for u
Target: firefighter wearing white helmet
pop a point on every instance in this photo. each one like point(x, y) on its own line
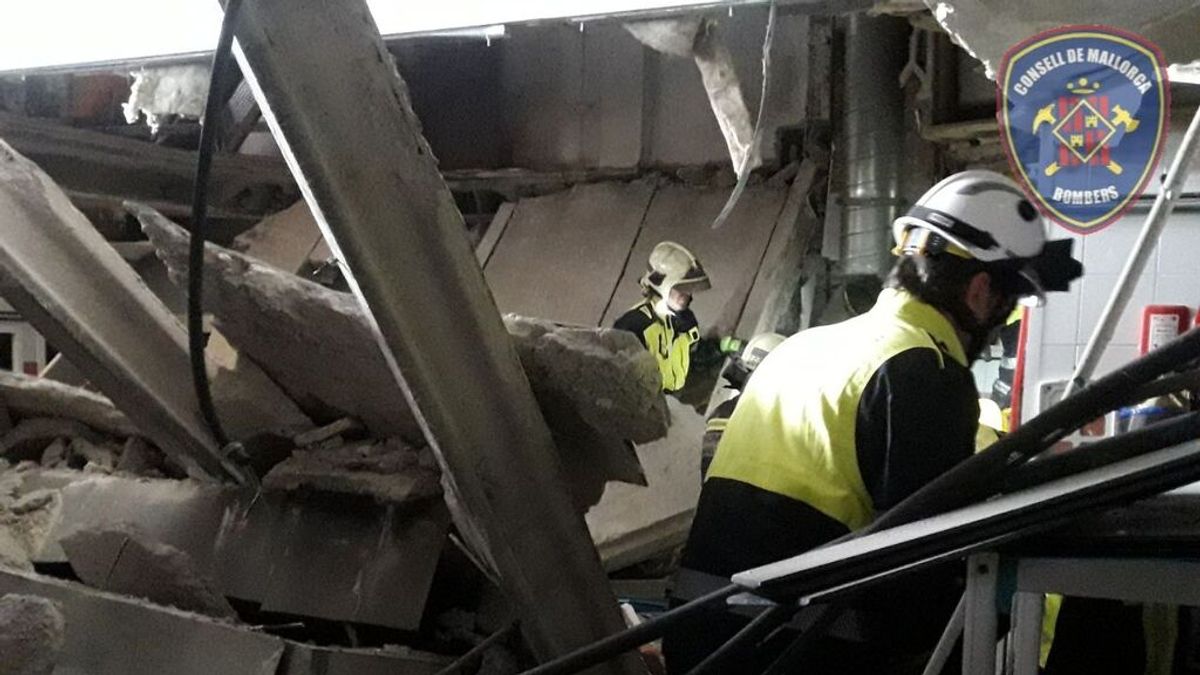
point(663, 320)
point(736, 375)
point(842, 422)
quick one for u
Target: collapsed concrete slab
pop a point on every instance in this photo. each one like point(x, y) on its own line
point(631, 523)
point(110, 634)
point(121, 560)
point(31, 634)
point(317, 344)
point(64, 278)
point(343, 560)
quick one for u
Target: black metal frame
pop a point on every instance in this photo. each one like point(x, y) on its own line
point(949, 517)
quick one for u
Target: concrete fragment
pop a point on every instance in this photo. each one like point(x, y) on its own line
point(55, 454)
point(698, 38)
point(318, 345)
point(137, 457)
point(123, 561)
point(30, 438)
point(25, 524)
point(388, 471)
point(328, 559)
point(602, 375)
point(631, 523)
point(92, 453)
point(31, 635)
point(64, 278)
point(27, 396)
point(328, 431)
point(12, 554)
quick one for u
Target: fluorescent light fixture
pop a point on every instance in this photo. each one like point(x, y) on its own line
point(57, 33)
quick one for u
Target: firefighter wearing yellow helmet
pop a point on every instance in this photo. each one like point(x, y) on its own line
point(662, 320)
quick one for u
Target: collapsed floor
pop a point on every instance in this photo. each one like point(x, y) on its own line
point(339, 536)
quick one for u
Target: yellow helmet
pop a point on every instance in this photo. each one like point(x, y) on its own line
point(671, 265)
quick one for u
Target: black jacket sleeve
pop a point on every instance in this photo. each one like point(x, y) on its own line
point(916, 419)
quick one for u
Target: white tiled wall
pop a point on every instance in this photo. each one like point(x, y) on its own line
point(1059, 330)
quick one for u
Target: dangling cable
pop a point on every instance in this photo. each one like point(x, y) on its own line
point(195, 295)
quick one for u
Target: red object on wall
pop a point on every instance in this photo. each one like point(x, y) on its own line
point(30, 368)
point(1161, 324)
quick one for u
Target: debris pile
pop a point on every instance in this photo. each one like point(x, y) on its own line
point(598, 389)
point(325, 524)
point(61, 426)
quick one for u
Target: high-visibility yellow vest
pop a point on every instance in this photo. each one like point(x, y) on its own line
point(793, 432)
point(671, 345)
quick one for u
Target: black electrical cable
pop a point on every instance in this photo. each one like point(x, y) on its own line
point(195, 295)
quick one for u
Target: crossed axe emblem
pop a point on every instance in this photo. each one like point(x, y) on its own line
point(1120, 118)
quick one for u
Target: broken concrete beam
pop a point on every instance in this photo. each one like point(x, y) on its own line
point(388, 471)
point(317, 344)
point(64, 278)
point(32, 632)
point(323, 354)
point(266, 547)
point(110, 634)
point(124, 561)
point(26, 396)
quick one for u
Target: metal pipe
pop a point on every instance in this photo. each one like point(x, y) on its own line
point(871, 141)
point(342, 118)
point(945, 645)
point(1155, 222)
point(635, 637)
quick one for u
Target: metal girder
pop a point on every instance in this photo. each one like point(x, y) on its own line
point(62, 276)
point(341, 116)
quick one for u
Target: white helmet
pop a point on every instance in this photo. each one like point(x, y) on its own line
point(673, 266)
point(758, 347)
point(984, 215)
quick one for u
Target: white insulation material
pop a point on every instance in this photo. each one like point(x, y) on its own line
point(173, 90)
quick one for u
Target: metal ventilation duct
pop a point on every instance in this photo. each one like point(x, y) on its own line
point(870, 145)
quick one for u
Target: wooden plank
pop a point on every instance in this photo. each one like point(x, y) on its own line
point(731, 254)
point(562, 255)
point(343, 118)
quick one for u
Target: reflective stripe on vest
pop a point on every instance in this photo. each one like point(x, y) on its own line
point(793, 432)
point(672, 351)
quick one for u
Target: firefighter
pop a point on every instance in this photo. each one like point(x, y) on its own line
point(886, 404)
point(736, 373)
point(663, 320)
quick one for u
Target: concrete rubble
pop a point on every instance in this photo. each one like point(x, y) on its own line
point(58, 271)
point(31, 634)
point(597, 387)
point(122, 560)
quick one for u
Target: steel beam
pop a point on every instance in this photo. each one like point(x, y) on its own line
point(341, 116)
point(62, 276)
